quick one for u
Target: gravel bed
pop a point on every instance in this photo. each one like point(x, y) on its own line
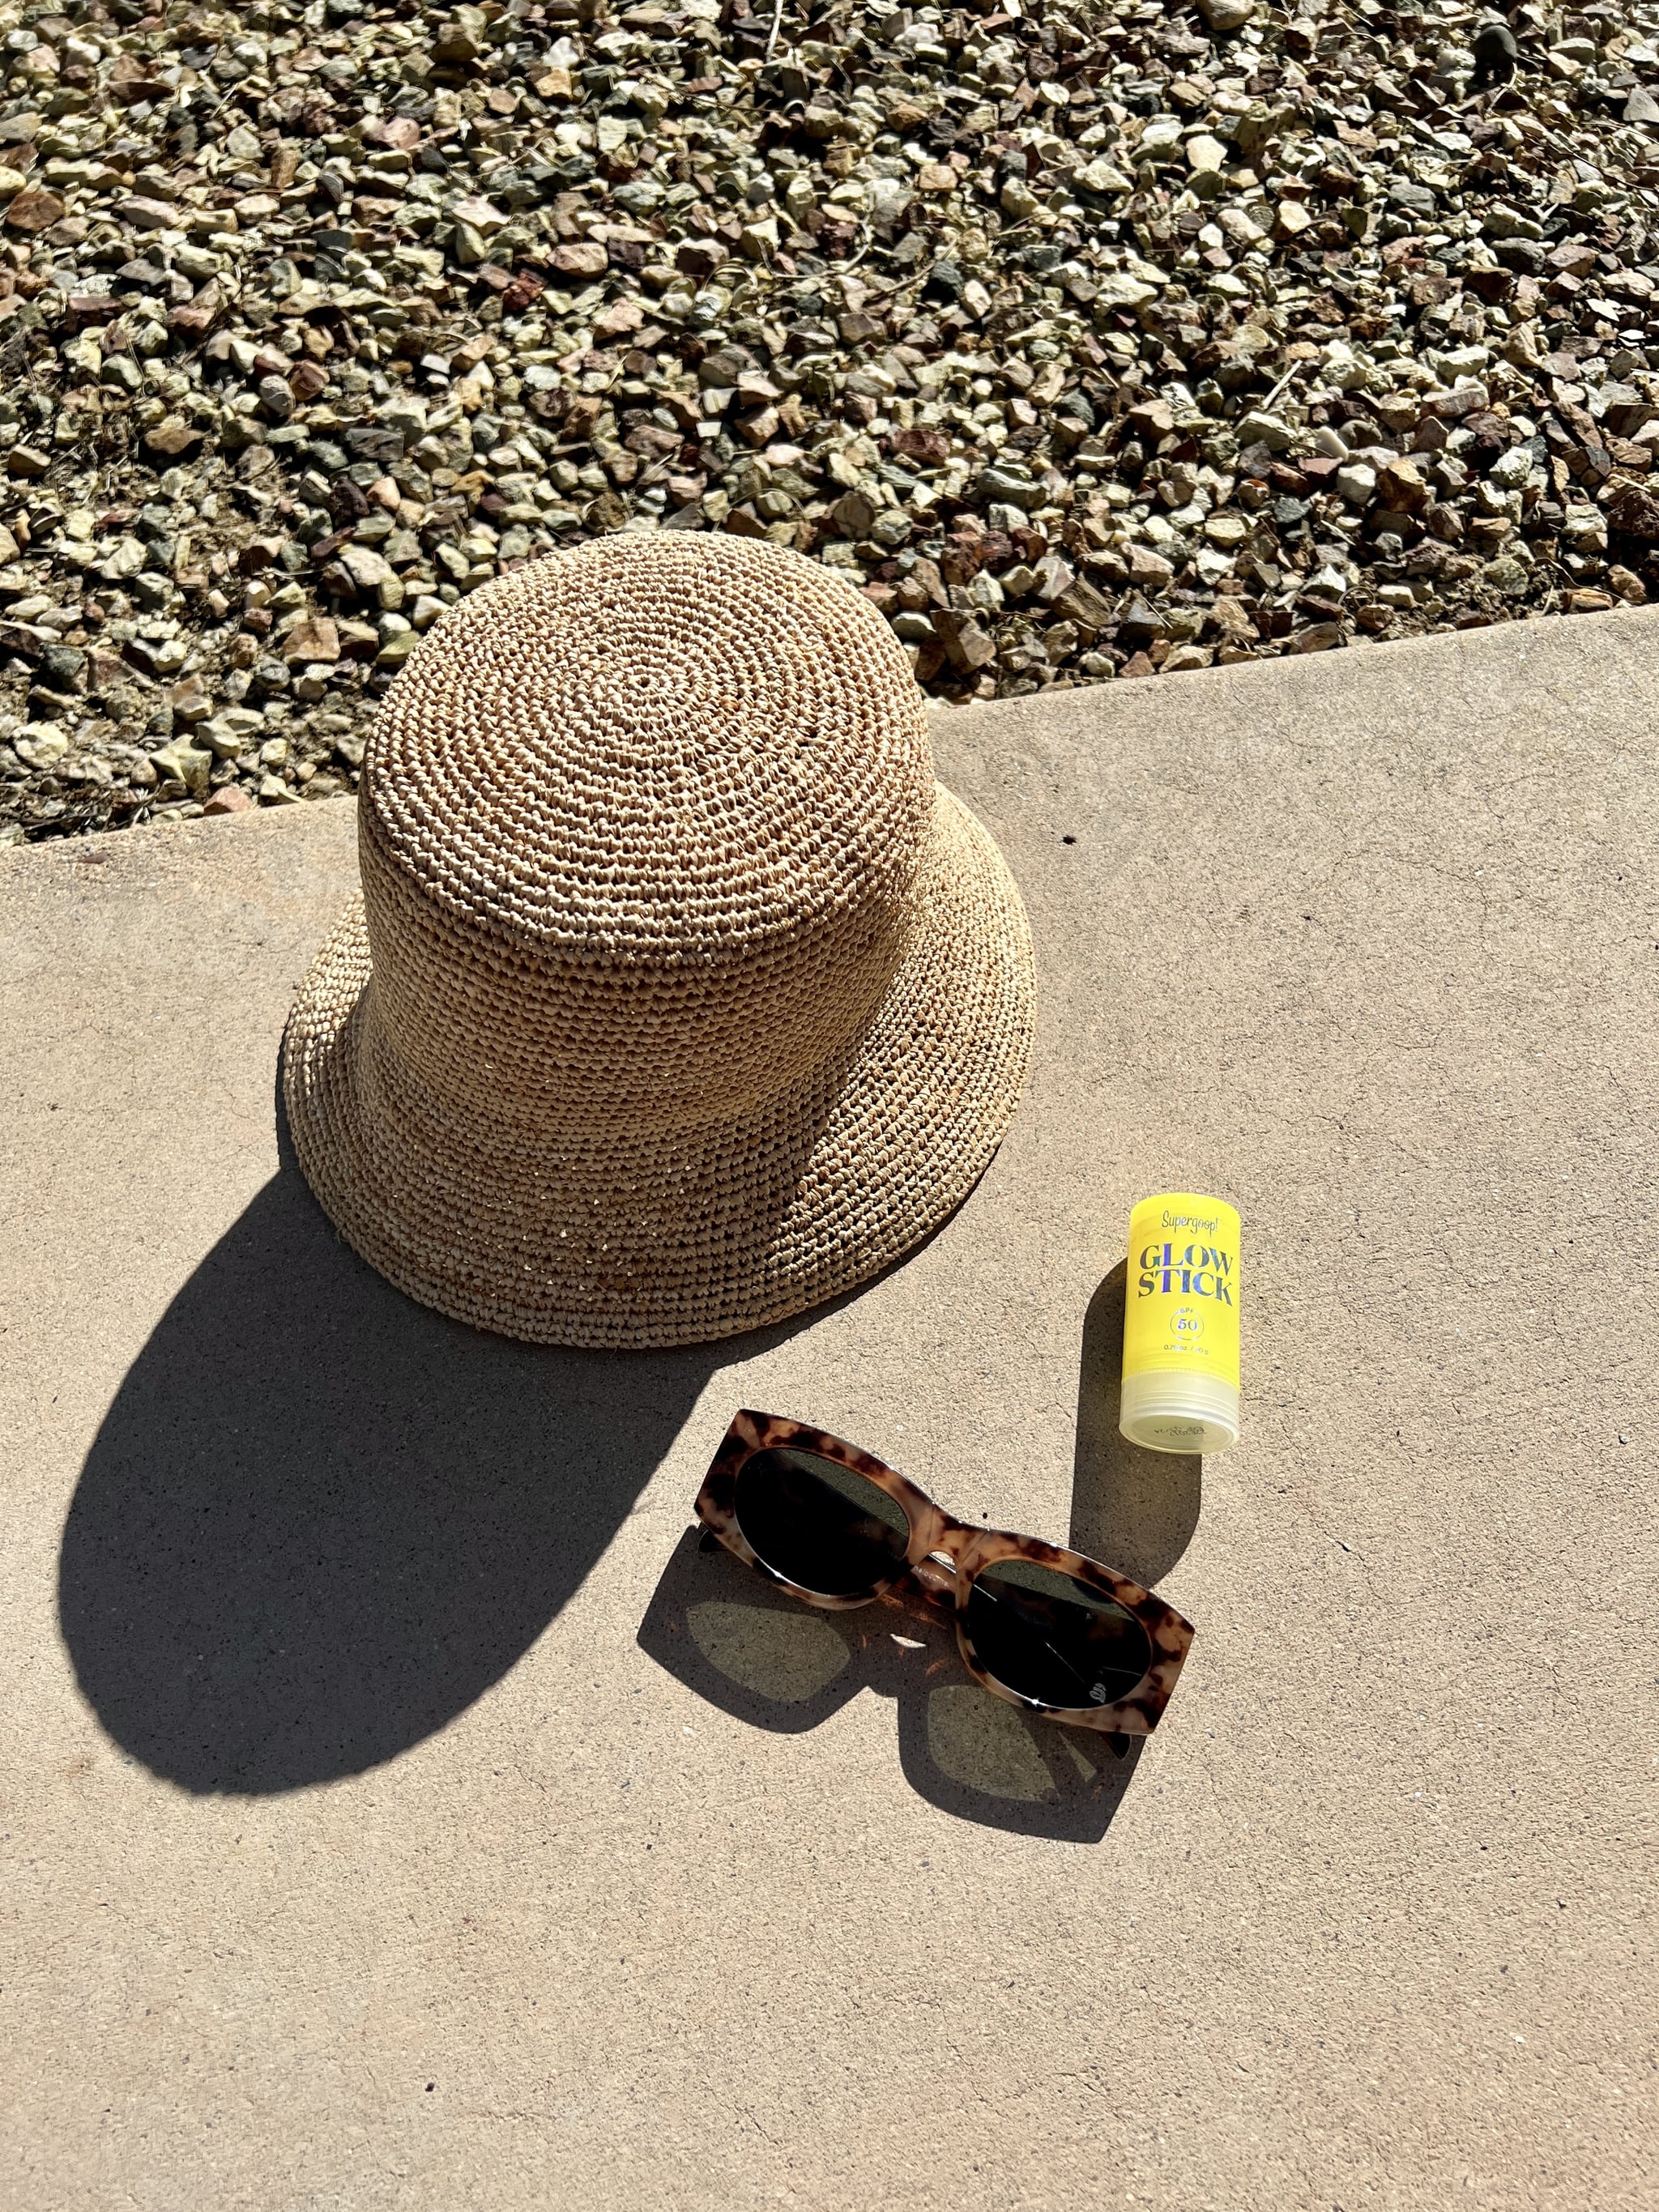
point(1090, 342)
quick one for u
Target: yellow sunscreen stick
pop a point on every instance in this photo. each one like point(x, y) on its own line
point(1181, 1325)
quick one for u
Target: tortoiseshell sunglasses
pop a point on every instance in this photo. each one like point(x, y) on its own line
point(1051, 1631)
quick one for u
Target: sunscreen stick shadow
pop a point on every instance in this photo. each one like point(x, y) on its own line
point(1131, 1509)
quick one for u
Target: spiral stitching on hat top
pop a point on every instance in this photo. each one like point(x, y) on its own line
point(611, 751)
point(616, 771)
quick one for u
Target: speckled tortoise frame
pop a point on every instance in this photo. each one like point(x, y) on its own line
point(942, 1562)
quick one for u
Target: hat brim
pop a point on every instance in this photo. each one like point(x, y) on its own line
point(687, 1234)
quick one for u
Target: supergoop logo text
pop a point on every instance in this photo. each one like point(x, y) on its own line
point(1188, 1271)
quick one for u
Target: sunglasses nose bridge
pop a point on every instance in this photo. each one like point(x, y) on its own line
point(937, 1576)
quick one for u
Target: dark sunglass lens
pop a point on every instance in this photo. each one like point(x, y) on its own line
point(1047, 1636)
point(819, 1525)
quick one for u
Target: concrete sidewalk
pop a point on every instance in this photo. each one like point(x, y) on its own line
point(400, 1812)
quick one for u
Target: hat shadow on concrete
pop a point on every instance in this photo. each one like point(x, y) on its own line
point(762, 1655)
point(320, 1521)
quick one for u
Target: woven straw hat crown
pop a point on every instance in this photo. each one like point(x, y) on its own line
point(679, 996)
point(639, 849)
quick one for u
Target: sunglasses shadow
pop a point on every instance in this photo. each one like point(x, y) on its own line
point(770, 1661)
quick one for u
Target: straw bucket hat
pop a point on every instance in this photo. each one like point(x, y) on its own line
point(678, 996)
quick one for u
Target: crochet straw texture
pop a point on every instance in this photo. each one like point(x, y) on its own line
point(678, 997)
